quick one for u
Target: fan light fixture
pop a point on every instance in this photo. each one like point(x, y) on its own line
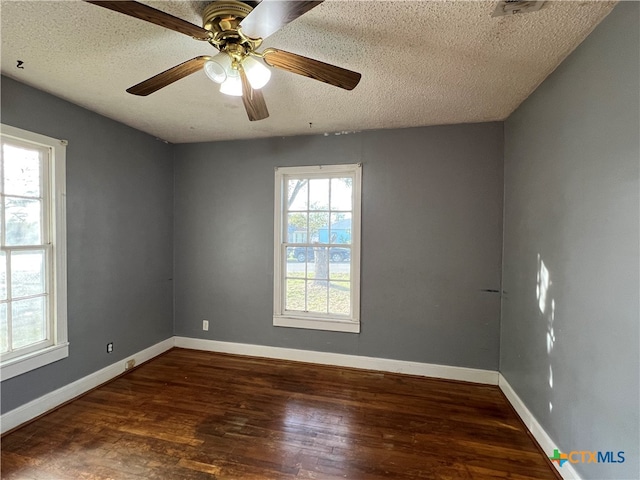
point(232, 85)
point(257, 74)
point(218, 67)
point(220, 70)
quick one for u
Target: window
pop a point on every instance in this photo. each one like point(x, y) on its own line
point(33, 313)
point(317, 247)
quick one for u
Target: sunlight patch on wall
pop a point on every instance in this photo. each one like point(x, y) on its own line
point(551, 336)
point(547, 307)
point(542, 285)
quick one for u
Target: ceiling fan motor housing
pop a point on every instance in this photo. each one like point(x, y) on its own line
point(224, 15)
point(222, 18)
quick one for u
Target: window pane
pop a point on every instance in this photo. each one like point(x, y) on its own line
point(28, 322)
point(295, 269)
point(4, 329)
point(297, 227)
point(23, 219)
point(295, 295)
point(320, 263)
point(289, 254)
point(301, 254)
point(3, 276)
point(319, 227)
point(27, 273)
point(340, 270)
point(21, 171)
point(339, 254)
point(297, 194)
point(317, 296)
point(319, 194)
point(311, 264)
point(340, 228)
point(341, 190)
point(340, 298)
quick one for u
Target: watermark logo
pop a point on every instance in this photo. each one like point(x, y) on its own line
point(559, 458)
point(585, 456)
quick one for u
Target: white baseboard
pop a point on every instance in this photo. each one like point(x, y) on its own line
point(488, 377)
point(567, 472)
point(51, 400)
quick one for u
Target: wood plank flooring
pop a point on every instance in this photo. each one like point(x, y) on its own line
point(200, 415)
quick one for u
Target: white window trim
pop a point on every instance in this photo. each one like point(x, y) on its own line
point(303, 320)
point(57, 185)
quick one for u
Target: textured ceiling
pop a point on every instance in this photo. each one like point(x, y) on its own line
point(422, 63)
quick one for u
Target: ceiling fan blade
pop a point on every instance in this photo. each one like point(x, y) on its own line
point(149, 14)
point(311, 68)
point(271, 15)
point(169, 76)
point(253, 100)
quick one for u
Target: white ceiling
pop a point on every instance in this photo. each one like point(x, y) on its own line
point(422, 63)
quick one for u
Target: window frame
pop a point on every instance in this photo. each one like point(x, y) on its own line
point(310, 320)
point(54, 192)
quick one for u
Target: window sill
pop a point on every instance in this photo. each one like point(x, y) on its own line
point(26, 363)
point(316, 324)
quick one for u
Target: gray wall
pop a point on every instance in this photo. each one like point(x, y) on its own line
point(571, 197)
point(432, 226)
point(119, 229)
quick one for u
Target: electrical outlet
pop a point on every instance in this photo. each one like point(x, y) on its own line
point(109, 347)
point(205, 324)
point(130, 364)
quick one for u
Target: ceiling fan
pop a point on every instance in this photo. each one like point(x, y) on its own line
point(236, 30)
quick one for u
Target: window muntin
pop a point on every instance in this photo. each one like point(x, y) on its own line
point(317, 254)
point(32, 251)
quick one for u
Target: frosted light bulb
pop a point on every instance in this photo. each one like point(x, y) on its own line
point(257, 74)
point(218, 68)
point(232, 86)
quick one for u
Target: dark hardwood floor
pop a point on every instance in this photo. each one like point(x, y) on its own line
point(199, 415)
